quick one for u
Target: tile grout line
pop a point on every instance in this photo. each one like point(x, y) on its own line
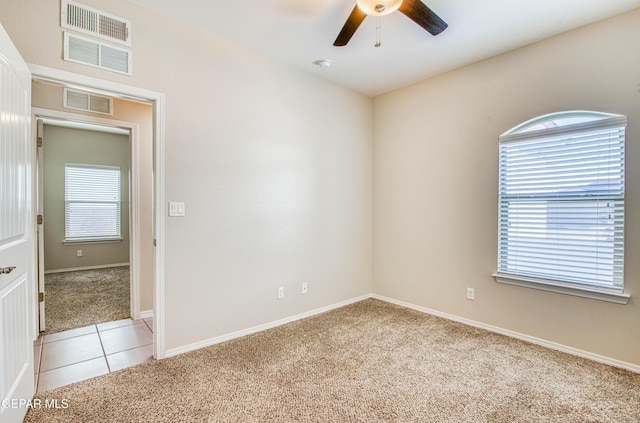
point(71, 364)
point(95, 326)
point(127, 349)
point(103, 351)
point(133, 323)
point(64, 339)
point(37, 381)
point(118, 352)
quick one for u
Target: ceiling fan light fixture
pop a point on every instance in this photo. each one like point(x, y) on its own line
point(378, 7)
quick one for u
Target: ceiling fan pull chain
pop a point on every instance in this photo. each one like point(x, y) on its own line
point(378, 42)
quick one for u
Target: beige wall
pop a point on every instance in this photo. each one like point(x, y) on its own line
point(68, 145)
point(50, 97)
point(435, 184)
point(274, 166)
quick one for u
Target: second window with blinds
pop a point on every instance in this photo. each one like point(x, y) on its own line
point(92, 203)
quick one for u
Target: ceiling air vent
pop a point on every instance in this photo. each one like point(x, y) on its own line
point(88, 102)
point(93, 53)
point(81, 18)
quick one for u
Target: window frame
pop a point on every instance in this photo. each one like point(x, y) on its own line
point(549, 125)
point(115, 237)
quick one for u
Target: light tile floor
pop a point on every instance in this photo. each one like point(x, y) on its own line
point(78, 354)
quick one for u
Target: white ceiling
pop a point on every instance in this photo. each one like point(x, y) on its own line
point(299, 32)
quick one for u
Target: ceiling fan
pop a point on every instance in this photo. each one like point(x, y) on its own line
point(415, 10)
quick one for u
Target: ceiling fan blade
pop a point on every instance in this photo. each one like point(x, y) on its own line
point(418, 12)
point(350, 26)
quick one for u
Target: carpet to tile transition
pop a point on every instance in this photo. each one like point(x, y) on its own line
point(86, 297)
point(366, 362)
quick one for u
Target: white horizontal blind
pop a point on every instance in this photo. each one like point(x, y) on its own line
point(92, 202)
point(561, 194)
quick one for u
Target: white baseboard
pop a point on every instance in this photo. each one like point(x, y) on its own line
point(260, 328)
point(147, 314)
point(531, 339)
point(512, 334)
point(75, 269)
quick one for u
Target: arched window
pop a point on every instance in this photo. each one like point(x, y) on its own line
point(561, 204)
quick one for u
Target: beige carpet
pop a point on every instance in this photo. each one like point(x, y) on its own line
point(86, 297)
point(367, 362)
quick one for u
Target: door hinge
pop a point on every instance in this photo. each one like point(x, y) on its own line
point(39, 141)
point(40, 219)
point(41, 297)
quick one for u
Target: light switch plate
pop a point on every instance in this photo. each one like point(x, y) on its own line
point(176, 209)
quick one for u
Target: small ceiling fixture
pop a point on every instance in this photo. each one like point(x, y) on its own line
point(322, 63)
point(378, 7)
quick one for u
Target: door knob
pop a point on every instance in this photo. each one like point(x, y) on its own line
point(6, 270)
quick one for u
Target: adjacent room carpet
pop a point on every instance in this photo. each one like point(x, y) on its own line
point(87, 297)
point(366, 362)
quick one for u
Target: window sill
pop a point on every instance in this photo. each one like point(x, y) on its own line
point(562, 288)
point(91, 241)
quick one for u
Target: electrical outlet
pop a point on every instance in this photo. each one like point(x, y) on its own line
point(79, 253)
point(304, 288)
point(281, 292)
point(471, 294)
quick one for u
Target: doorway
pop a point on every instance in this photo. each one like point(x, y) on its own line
point(78, 151)
point(156, 100)
point(85, 234)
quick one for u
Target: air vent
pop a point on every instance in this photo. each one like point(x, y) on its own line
point(81, 18)
point(88, 102)
point(93, 53)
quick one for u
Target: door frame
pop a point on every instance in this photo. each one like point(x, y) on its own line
point(82, 82)
point(134, 191)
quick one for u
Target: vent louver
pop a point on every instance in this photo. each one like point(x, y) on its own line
point(81, 18)
point(93, 53)
point(88, 102)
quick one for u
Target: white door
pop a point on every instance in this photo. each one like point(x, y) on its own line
point(17, 248)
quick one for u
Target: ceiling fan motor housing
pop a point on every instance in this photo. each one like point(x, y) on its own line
point(378, 7)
